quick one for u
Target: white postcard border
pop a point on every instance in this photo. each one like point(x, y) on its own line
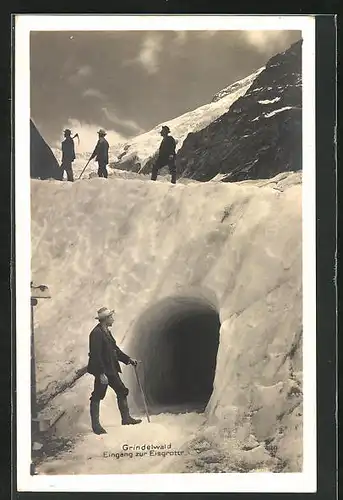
point(231, 482)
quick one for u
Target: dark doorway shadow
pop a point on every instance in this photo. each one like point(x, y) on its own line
point(177, 340)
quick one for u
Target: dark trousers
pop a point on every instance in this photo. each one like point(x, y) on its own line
point(161, 162)
point(102, 170)
point(67, 166)
point(115, 382)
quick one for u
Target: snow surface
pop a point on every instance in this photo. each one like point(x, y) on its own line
point(271, 101)
point(272, 113)
point(276, 111)
point(105, 454)
point(237, 85)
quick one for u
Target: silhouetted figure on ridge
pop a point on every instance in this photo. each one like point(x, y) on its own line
point(166, 155)
point(100, 154)
point(68, 154)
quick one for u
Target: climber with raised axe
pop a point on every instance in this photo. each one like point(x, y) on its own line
point(104, 357)
point(100, 154)
point(68, 154)
point(166, 155)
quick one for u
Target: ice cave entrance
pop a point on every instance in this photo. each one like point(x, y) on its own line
point(177, 339)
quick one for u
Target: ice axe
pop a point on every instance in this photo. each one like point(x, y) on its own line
point(84, 168)
point(78, 138)
point(142, 392)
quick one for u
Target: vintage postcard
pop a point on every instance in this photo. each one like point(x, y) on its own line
point(165, 253)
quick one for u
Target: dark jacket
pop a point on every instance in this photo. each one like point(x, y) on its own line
point(68, 150)
point(100, 152)
point(167, 147)
point(104, 354)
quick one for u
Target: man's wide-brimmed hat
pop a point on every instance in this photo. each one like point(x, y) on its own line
point(102, 132)
point(166, 128)
point(104, 312)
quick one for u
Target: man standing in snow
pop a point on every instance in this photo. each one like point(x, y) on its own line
point(104, 357)
point(100, 153)
point(166, 155)
point(68, 155)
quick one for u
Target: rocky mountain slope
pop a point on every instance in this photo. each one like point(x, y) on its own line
point(43, 163)
point(260, 135)
point(251, 129)
point(200, 268)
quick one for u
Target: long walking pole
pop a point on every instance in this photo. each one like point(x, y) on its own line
point(84, 168)
point(142, 392)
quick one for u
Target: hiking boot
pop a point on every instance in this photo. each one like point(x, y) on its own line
point(94, 411)
point(126, 418)
point(131, 421)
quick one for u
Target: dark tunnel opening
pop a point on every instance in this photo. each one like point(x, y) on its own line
point(177, 341)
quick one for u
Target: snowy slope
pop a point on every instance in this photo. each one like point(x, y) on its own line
point(135, 154)
point(236, 87)
point(142, 243)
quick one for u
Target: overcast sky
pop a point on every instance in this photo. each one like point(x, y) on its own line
point(128, 82)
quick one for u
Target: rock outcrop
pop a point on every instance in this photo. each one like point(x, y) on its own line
point(260, 135)
point(216, 266)
point(43, 164)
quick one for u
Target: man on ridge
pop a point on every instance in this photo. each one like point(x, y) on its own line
point(68, 154)
point(166, 155)
point(100, 154)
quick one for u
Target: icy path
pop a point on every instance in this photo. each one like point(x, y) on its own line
point(98, 454)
